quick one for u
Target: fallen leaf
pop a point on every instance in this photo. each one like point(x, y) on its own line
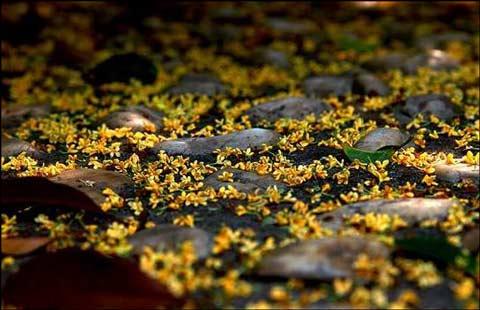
point(38, 190)
point(23, 246)
point(369, 157)
point(439, 250)
point(72, 278)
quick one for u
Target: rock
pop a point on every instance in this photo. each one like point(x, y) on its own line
point(439, 296)
point(14, 146)
point(139, 118)
point(329, 305)
point(289, 107)
point(121, 68)
point(227, 33)
point(93, 181)
point(458, 172)
point(225, 15)
point(170, 237)
point(322, 259)
point(368, 84)
point(412, 210)
point(470, 240)
point(325, 85)
point(202, 84)
point(439, 105)
point(290, 26)
point(15, 115)
point(436, 40)
point(248, 138)
point(386, 63)
point(434, 59)
point(272, 57)
point(419, 232)
point(382, 137)
point(243, 181)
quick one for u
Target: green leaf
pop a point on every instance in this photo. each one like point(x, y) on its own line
point(439, 250)
point(350, 43)
point(369, 157)
point(268, 221)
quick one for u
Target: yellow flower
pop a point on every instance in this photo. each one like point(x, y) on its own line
point(226, 177)
point(7, 262)
point(464, 289)
point(342, 286)
point(278, 293)
point(429, 180)
point(184, 220)
point(471, 159)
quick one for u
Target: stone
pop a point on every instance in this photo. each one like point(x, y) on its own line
point(233, 15)
point(436, 104)
point(121, 68)
point(252, 138)
point(368, 84)
point(471, 239)
point(139, 118)
point(15, 115)
point(436, 60)
point(322, 259)
point(382, 137)
point(169, 237)
point(436, 40)
point(289, 107)
point(325, 85)
point(201, 84)
point(412, 210)
point(409, 64)
point(290, 26)
point(386, 62)
point(244, 181)
point(92, 182)
point(457, 173)
point(272, 57)
point(329, 305)
point(14, 146)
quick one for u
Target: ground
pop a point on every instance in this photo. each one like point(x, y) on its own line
point(246, 155)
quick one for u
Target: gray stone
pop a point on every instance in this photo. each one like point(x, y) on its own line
point(412, 210)
point(289, 107)
point(272, 57)
point(382, 137)
point(434, 59)
point(436, 104)
point(330, 305)
point(92, 182)
point(386, 63)
point(139, 118)
point(470, 239)
point(170, 237)
point(15, 115)
point(436, 40)
point(198, 83)
point(290, 26)
point(243, 181)
point(325, 85)
point(323, 259)
point(250, 138)
point(14, 146)
point(367, 83)
point(458, 173)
